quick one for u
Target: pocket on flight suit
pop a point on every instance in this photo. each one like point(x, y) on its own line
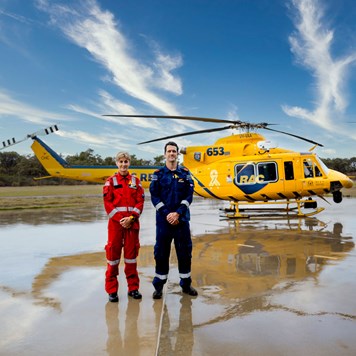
point(132, 244)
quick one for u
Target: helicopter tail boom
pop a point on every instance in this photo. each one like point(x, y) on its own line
point(49, 159)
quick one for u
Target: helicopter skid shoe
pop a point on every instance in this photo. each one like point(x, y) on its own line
point(308, 204)
point(316, 211)
point(233, 212)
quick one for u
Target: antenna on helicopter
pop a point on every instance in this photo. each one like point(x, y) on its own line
point(42, 132)
point(237, 124)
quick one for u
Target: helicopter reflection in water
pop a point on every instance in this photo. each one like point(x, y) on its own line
point(260, 257)
point(253, 256)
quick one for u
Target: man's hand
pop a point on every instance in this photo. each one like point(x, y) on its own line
point(173, 218)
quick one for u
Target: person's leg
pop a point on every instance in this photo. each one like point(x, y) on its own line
point(183, 245)
point(162, 252)
point(113, 255)
point(131, 249)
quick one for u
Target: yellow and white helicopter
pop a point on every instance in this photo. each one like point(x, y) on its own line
point(243, 169)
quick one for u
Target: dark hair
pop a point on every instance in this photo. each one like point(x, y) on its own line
point(170, 143)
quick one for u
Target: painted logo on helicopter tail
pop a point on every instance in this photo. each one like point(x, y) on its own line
point(247, 180)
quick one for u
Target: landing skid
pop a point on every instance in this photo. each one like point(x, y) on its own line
point(257, 209)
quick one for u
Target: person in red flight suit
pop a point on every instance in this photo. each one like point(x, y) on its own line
point(123, 202)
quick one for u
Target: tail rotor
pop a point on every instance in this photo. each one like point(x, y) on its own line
point(12, 141)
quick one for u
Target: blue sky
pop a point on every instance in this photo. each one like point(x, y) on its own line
point(291, 63)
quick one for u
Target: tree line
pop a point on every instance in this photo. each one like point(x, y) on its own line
point(22, 170)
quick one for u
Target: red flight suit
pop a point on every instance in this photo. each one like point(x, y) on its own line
point(123, 197)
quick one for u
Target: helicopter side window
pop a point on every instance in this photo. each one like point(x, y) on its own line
point(288, 170)
point(308, 169)
point(244, 172)
point(267, 172)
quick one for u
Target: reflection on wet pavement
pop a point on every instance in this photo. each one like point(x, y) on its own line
point(273, 286)
point(177, 326)
point(129, 341)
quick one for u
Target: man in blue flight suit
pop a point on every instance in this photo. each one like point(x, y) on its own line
point(171, 191)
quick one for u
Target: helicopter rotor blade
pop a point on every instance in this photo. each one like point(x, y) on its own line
point(46, 131)
point(13, 141)
point(234, 125)
point(190, 118)
point(187, 134)
point(296, 136)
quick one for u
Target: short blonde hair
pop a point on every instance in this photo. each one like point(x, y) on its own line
point(122, 155)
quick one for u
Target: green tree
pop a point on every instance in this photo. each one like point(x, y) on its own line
point(139, 161)
point(85, 158)
point(109, 161)
point(158, 160)
point(9, 162)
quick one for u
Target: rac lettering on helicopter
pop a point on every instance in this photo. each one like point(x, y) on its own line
point(251, 177)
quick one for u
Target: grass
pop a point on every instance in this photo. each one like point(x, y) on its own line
point(48, 197)
point(350, 192)
point(48, 190)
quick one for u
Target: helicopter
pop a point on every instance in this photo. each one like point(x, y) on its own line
point(244, 169)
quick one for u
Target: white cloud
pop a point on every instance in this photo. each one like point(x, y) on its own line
point(311, 45)
point(96, 30)
point(111, 105)
point(232, 114)
point(15, 17)
point(164, 65)
point(12, 107)
point(98, 140)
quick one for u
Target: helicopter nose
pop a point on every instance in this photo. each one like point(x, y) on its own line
point(347, 183)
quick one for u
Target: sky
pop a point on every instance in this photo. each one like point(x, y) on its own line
point(291, 63)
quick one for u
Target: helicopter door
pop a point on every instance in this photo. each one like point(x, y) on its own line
point(289, 177)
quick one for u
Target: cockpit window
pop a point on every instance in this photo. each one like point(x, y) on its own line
point(308, 168)
point(317, 171)
point(311, 169)
point(322, 165)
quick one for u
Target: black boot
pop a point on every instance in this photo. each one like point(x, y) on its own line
point(113, 298)
point(190, 290)
point(135, 294)
point(157, 294)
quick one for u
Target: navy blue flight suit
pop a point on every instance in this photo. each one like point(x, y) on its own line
point(172, 191)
